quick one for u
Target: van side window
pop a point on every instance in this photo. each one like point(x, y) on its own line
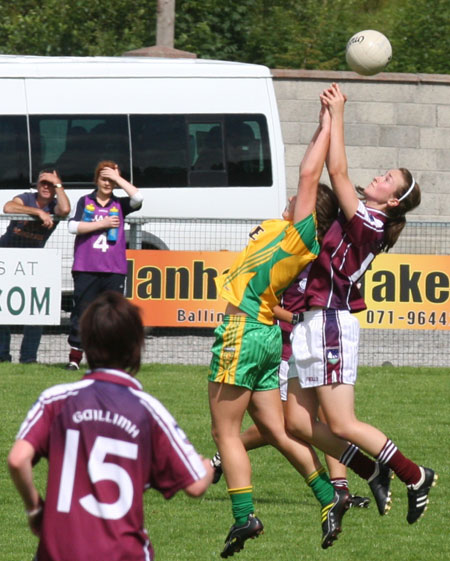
point(163, 150)
point(14, 161)
point(74, 144)
point(248, 151)
point(207, 154)
point(200, 150)
point(159, 149)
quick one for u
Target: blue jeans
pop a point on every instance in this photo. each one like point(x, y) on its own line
point(30, 343)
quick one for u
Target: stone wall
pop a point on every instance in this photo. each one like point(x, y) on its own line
point(392, 120)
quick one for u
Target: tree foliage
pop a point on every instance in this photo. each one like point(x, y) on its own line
point(76, 27)
point(420, 37)
point(309, 34)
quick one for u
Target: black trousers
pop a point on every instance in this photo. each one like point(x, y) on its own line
point(87, 286)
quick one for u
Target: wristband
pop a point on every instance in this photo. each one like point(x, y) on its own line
point(58, 185)
point(34, 511)
point(297, 318)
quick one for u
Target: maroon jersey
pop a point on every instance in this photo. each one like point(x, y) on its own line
point(106, 441)
point(293, 300)
point(347, 250)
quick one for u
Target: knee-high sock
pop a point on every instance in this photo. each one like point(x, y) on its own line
point(406, 470)
point(361, 464)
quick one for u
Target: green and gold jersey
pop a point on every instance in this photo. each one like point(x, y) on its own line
point(276, 253)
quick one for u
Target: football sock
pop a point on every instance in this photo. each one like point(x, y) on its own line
point(416, 486)
point(339, 483)
point(361, 464)
point(406, 470)
point(241, 503)
point(75, 355)
point(321, 486)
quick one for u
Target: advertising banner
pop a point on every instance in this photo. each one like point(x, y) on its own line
point(177, 289)
point(30, 281)
point(407, 292)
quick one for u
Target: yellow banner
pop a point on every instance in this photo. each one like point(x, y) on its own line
point(407, 292)
point(177, 289)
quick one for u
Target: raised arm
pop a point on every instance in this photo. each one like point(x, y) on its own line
point(114, 175)
point(337, 158)
point(62, 207)
point(311, 167)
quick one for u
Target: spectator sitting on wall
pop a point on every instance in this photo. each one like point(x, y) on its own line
point(49, 199)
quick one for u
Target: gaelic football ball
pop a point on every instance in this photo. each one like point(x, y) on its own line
point(368, 52)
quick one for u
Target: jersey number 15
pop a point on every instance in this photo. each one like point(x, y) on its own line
point(98, 470)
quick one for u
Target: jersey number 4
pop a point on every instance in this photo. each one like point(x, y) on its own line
point(101, 243)
point(98, 470)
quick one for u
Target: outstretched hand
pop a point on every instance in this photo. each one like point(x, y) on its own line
point(334, 99)
point(324, 115)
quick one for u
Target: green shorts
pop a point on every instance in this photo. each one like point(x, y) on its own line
point(246, 353)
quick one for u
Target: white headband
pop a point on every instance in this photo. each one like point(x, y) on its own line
point(408, 191)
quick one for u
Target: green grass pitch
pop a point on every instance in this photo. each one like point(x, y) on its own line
point(410, 405)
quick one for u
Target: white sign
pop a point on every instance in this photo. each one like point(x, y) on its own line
point(30, 286)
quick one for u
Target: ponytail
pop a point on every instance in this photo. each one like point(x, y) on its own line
point(392, 230)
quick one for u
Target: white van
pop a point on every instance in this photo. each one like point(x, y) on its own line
point(200, 138)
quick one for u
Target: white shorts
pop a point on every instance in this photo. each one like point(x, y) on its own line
point(325, 349)
point(283, 377)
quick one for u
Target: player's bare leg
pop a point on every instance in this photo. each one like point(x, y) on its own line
point(228, 404)
point(338, 475)
point(301, 416)
point(267, 412)
point(251, 439)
